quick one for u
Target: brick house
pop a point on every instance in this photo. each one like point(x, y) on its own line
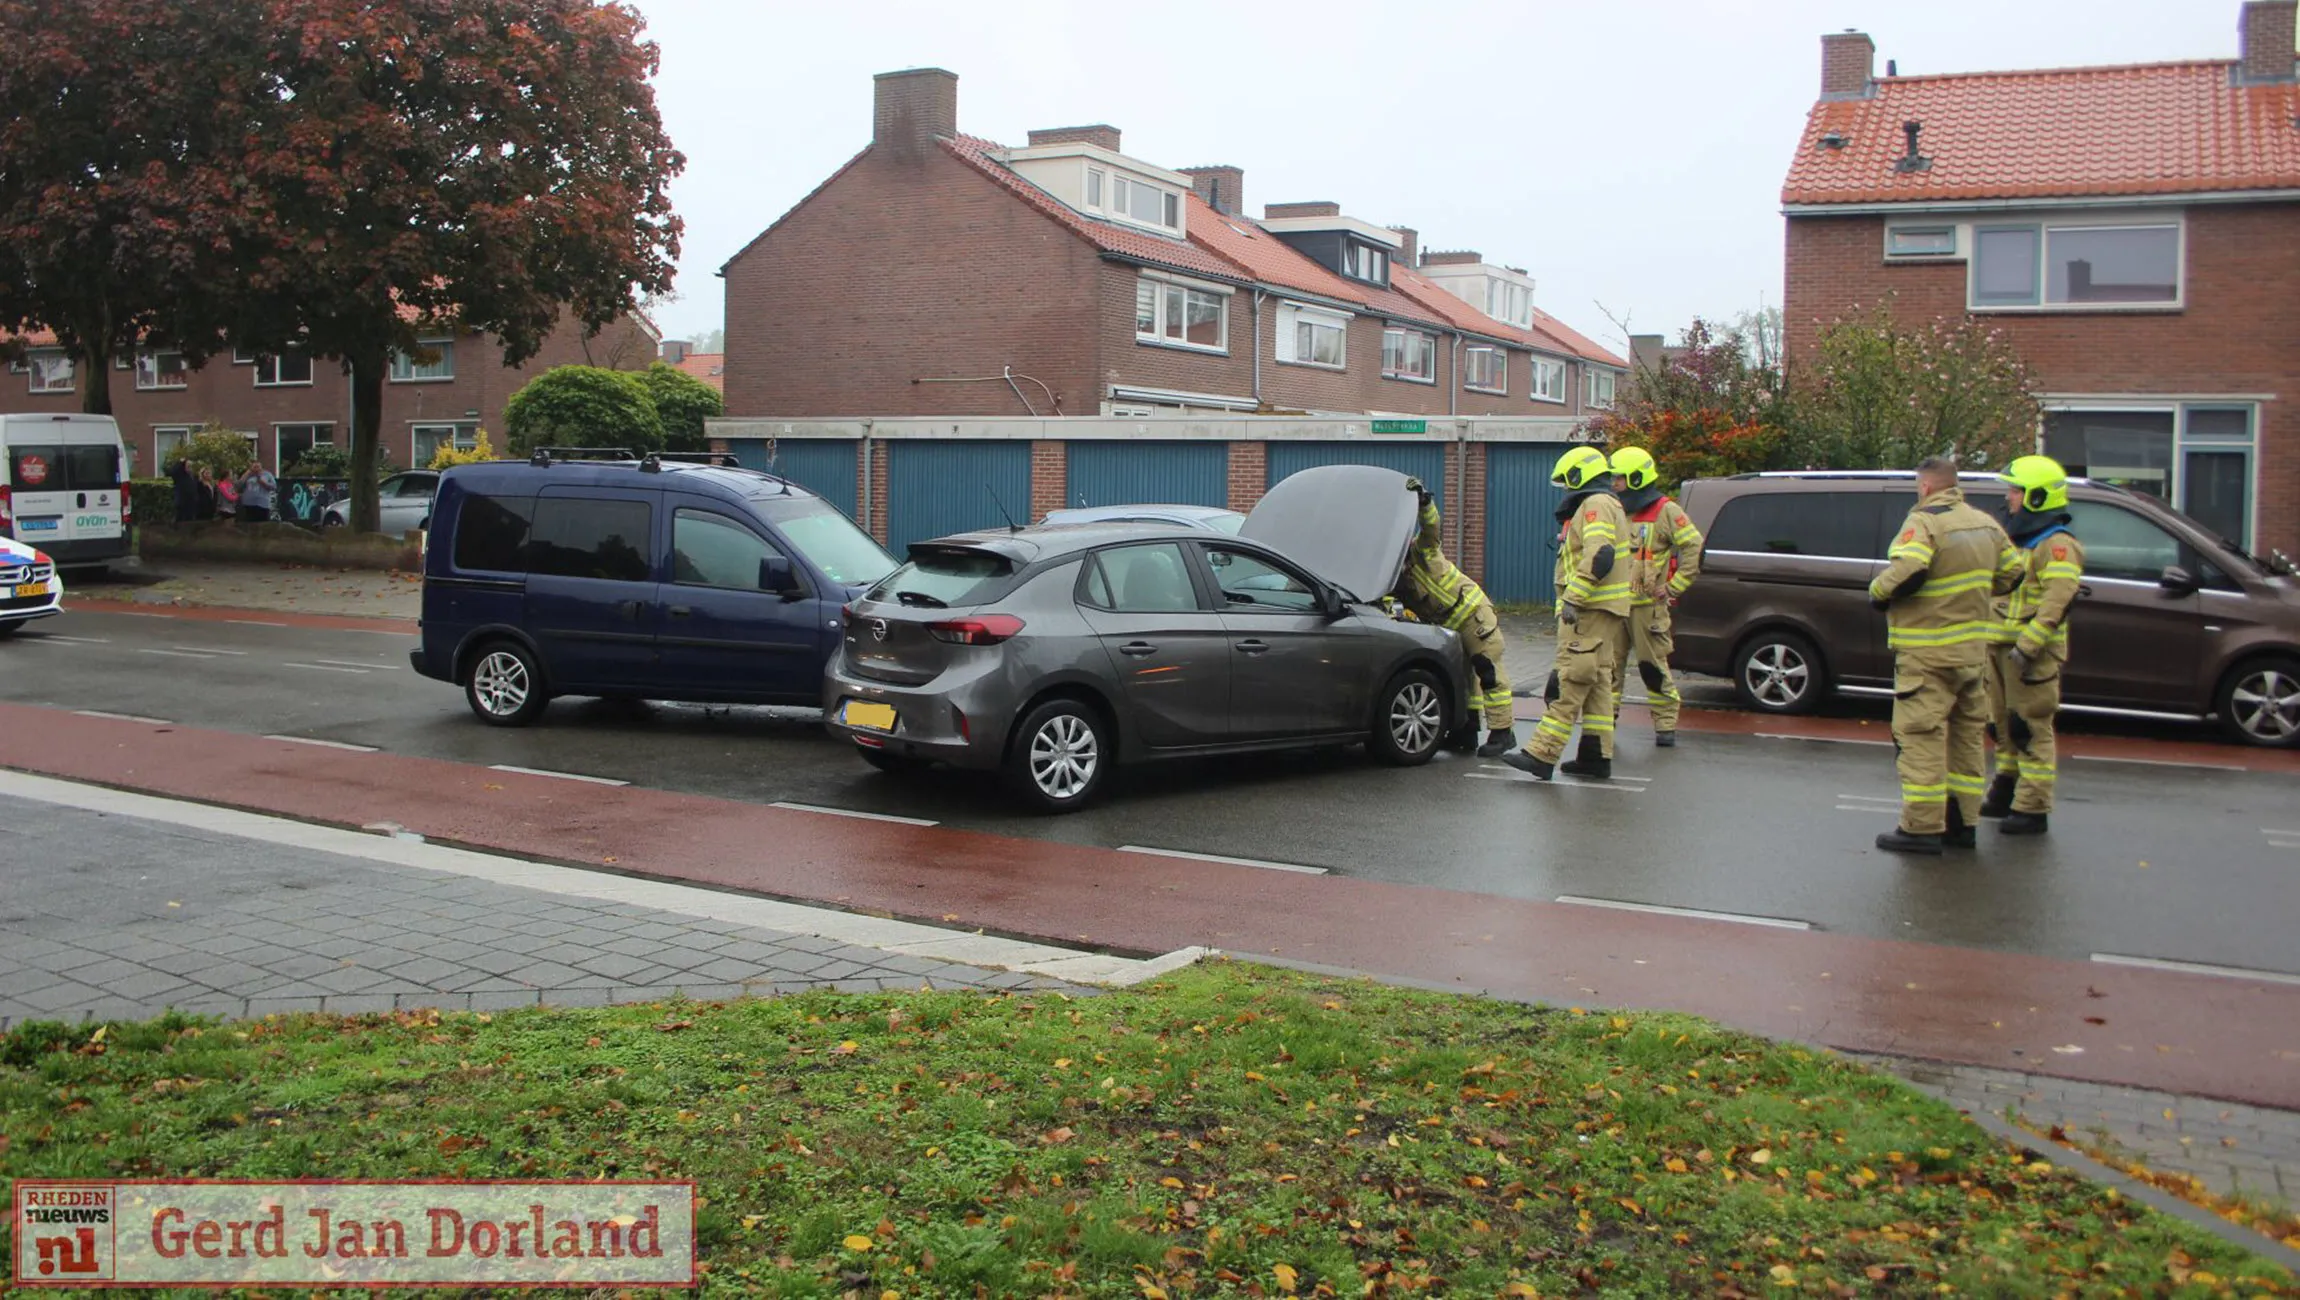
point(937, 273)
point(287, 404)
point(2134, 231)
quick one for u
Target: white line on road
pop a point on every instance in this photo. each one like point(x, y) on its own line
point(252, 622)
point(1699, 914)
point(849, 812)
point(2158, 762)
point(1873, 809)
point(346, 663)
point(2277, 830)
point(564, 776)
point(71, 640)
point(2196, 968)
point(1146, 851)
point(324, 668)
point(123, 717)
point(1870, 798)
point(1521, 778)
point(325, 744)
point(1819, 740)
point(174, 654)
point(208, 650)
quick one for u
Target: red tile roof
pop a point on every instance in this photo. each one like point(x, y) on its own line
point(1578, 343)
point(710, 367)
point(2164, 128)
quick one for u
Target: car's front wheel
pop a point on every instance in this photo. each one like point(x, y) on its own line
point(1061, 756)
point(2259, 702)
point(1778, 671)
point(505, 685)
point(1409, 721)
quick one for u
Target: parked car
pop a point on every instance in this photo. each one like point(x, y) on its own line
point(1050, 654)
point(1212, 518)
point(2171, 622)
point(29, 587)
point(650, 579)
point(403, 503)
point(64, 487)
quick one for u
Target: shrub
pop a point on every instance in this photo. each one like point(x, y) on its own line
point(583, 406)
point(153, 500)
point(447, 457)
point(219, 449)
point(325, 460)
point(682, 403)
point(1878, 395)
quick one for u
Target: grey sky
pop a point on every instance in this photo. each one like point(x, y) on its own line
point(1626, 153)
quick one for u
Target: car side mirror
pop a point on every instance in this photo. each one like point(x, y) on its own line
point(1331, 603)
point(777, 575)
point(2178, 581)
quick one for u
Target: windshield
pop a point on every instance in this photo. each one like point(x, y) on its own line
point(1227, 523)
point(827, 538)
point(938, 579)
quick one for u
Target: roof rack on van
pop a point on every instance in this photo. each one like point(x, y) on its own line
point(655, 459)
point(545, 455)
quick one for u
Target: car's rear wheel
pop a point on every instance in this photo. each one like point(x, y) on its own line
point(2259, 702)
point(505, 685)
point(1409, 721)
point(1778, 671)
point(1061, 756)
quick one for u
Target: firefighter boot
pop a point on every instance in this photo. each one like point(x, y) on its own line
point(1590, 762)
point(2020, 823)
point(1959, 836)
point(1498, 743)
point(1897, 840)
point(1528, 764)
point(1665, 740)
point(1999, 799)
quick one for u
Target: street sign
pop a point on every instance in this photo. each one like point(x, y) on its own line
point(1401, 426)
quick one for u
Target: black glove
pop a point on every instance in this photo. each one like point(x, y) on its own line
point(1879, 605)
point(1421, 494)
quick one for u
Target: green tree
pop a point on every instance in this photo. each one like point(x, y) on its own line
point(583, 406)
point(682, 403)
point(222, 451)
point(1716, 405)
point(1881, 395)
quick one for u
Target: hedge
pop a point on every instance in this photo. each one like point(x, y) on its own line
point(153, 500)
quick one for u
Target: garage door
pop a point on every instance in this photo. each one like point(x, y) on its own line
point(1423, 460)
point(934, 488)
point(824, 466)
point(1116, 473)
point(1521, 520)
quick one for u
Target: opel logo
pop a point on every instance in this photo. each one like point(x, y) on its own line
point(878, 629)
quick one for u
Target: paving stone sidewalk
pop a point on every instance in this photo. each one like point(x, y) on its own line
point(112, 918)
point(286, 588)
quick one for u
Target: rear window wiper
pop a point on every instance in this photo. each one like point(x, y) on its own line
point(921, 600)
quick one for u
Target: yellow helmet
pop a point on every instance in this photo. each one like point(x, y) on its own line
point(1578, 468)
point(1636, 465)
point(2043, 483)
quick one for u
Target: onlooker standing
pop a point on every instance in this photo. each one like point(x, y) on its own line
point(187, 489)
point(227, 497)
point(256, 487)
point(206, 485)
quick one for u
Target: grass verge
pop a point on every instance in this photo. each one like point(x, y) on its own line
point(1229, 1130)
point(2270, 1218)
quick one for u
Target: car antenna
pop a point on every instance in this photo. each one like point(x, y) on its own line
point(1003, 512)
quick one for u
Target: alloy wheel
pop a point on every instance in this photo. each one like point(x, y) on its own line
point(1777, 676)
point(500, 683)
point(1415, 717)
point(1064, 755)
point(2266, 705)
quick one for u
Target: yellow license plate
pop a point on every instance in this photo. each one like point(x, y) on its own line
point(869, 717)
point(25, 589)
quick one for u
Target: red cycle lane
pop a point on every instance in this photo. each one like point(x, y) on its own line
point(2201, 1035)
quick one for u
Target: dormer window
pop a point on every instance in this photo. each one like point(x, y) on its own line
point(1509, 302)
point(1094, 187)
point(1146, 203)
point(1365, 262)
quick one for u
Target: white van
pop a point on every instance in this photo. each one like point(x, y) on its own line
point(64, 486)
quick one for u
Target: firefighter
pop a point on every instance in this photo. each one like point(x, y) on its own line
point(1945, 567)
point(2033, 634)
point(1591, 610)
point(1665, 550)
point(1439, 593)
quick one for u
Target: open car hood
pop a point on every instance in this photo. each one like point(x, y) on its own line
point(1352, 524)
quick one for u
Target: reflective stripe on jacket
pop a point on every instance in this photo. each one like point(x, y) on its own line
point(1597, 524)
point(1667, 549)
point(1946, 564)
point(2034, 615)
point(1434, 587)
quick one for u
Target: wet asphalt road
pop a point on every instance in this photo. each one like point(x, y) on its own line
point(2145, 860)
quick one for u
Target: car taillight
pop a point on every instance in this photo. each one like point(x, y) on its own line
point(989, 629)
point(127, 505)
point(7, 512)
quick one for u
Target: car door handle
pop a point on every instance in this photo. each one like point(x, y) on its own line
point(2084, 589)
point(1138, 649)
point(1251, 647)
point(680, 611)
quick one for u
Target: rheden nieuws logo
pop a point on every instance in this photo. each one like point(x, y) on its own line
point(223, 1233)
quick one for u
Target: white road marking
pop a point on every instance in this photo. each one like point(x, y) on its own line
point(209, 650)
point(123, 717)
point(325, 744)
point(250, 622)
point(2158, 762)
point(174, 654)
point(1870, 798)
point(849, 812)
point(1819, 740)
point(379, 631)
point(1218, 858)
point(564, 776)
point(346, 663)
point(2277, 830)
point(1700, 914)
point(1521, 778)
point(1874, 809)
point(71, 640)
point(324, 668)
point(2196, 968)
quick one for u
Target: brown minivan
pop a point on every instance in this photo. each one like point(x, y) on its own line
point(2171, 622)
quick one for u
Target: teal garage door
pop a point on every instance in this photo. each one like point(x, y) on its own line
point(1423, 460)
point(1521, 520)
point(1126, 473)
point(935, 488)
point(823, 466)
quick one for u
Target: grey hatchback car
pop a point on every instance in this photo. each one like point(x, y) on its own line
point(1051, 654)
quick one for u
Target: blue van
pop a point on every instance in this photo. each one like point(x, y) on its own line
point(663, 578)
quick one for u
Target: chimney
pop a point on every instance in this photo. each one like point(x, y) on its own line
point(1101, 135)
point(913, 107)
point(1456, 257)
point(2265, 38)
point(1848, 65)
point(1409, 252)
point(1281, 211)
point(674, 350)
point(1223, 188)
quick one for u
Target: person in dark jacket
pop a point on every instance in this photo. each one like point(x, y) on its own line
point(187, 486)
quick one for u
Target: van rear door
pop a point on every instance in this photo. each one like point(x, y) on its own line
point(594, 600)
point(66, 495)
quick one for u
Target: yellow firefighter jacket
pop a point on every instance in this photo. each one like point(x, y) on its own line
point(2034, 616)
point(1945, 566)
point(1434, 587)
point(1667, 550)
point(1597, 528)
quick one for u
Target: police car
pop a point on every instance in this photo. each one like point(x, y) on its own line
point(29, 587)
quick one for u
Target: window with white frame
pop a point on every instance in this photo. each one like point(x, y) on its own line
point(168, 441)
point(295, 440)
point(429, 438)
point(1508, 301)
point(1365, 262)
point(2197, 457)
point(287, 370)
point(2076, 265)
point(1180, 316)
point(1094, 187)
point(1598, 389)
point(1312, 336)
point(1146, 204)
point(1485, 369)
point(414, 368)
point(51, 370)
point(1921, 241)
point(1409, 354)
point(1548, 380)
point(161, 370)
